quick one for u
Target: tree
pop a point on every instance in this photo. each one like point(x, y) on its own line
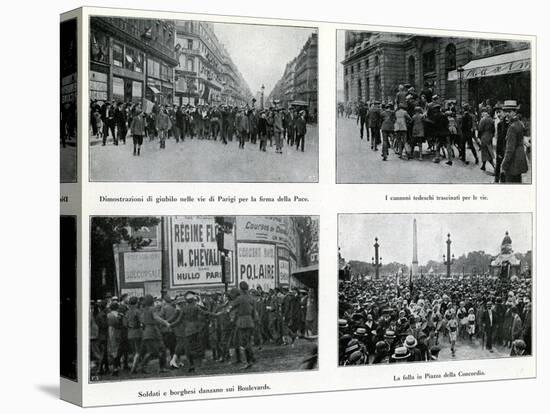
point(107, 232)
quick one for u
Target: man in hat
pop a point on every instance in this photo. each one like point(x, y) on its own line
point(486, 132)
point(488, 322)
point(467, 124)
point(152, 345)
point(401, 354)
point(245, 317)
point(515, 162)
point(278, 129)
point(375, 122)
point(301, 129)
point(501, 130)
point(120, 123)
point(132, 321)
point(262, 131)
point(362, 114)
point(441, 134)
point(412, 346)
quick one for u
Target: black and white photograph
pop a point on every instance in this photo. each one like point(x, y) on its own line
point(68, 321)
point(68, 71)
point(178, 296)
point(416, 108)
point(434, 287)
point(199, 101)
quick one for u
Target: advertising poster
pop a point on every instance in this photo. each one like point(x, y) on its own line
point(256, 265)
point(195, 258)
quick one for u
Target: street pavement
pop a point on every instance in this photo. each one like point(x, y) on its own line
point(357, 163)
point(67, 164)
point(466, 350)
point(269, 359)
point(204, 160)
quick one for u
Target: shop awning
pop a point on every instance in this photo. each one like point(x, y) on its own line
point(495, 65)
point(153, 89)
point(309, 276)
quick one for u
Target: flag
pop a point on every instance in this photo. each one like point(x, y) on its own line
point(206, 93)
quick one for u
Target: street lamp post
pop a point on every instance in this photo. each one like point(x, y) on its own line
point(449, 259)
point(460, 71)
point(262, 97)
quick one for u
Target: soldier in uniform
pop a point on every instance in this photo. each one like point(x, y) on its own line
point(188, 325)
point(245, 317)
point(132, 321)
point(152, 345)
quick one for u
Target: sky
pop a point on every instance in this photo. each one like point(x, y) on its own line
point(469, 232)
point(261, 52)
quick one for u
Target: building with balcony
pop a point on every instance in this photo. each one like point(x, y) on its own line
point(205, 72)
point(132, 60)
point(457, 69)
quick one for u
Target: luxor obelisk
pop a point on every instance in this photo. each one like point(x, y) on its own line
point(415, 251)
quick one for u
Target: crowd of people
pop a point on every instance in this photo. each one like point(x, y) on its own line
point(127, 333)
point(245, 124)
point(413, 119)
point(388, 321)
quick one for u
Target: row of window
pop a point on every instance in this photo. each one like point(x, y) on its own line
point(127, 57)
point(158, 70)
point(428, 62)
point(352, 67)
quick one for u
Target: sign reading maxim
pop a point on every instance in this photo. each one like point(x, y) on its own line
point(194, 252)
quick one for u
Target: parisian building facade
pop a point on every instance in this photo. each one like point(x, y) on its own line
point(375, 64)
point(299, 80)
point(132, 60)
point(205, 72)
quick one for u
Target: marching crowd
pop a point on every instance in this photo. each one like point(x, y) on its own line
point(127, 333)
point(245, 124)
point(383, 321)
point(414, 119)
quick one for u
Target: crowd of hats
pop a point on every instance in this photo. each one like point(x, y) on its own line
point(378, 317)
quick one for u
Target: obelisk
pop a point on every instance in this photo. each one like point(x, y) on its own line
point(415, 251)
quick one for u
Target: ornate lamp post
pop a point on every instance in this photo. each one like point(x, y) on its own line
point(449, 259)
point(376, 260)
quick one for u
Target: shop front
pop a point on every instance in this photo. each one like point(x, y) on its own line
point(498, 78)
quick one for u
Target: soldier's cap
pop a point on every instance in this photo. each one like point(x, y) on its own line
point(189, 294)
point(243, 286)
